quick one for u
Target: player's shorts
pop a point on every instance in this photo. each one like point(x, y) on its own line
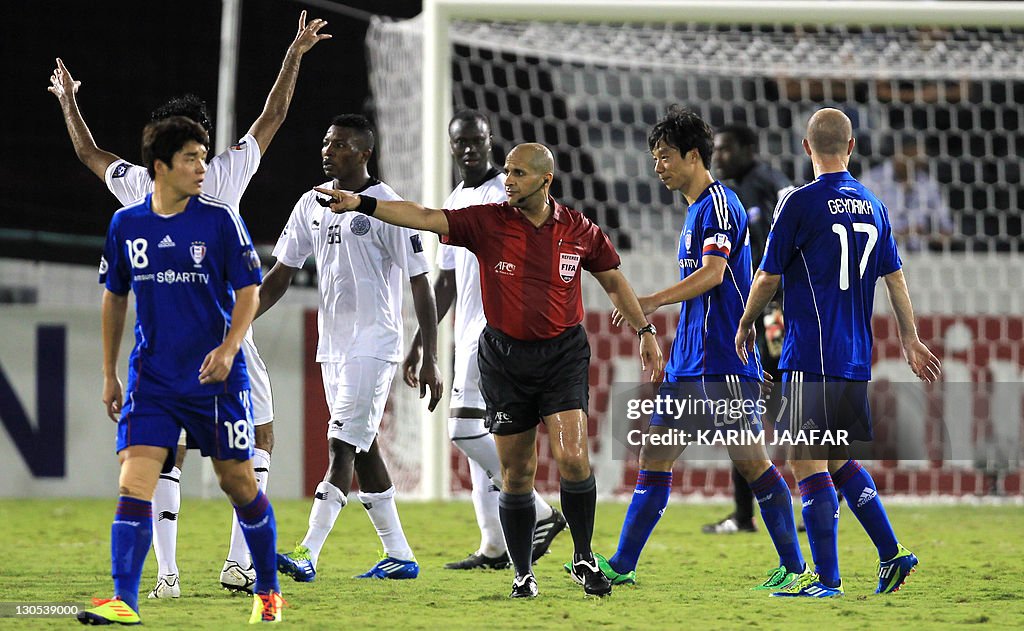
point(466, 382)
point(219, 425)
point(710, 403)
point(357, 390)
point(816, 402)
point(524, 381)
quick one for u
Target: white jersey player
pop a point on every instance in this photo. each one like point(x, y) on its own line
point(227, 177)
point(470, 141)
point(361, 263)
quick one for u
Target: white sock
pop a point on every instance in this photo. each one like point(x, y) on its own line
point(543, 508)
point(384, 515)
point(327, 504)
point(485, 502)
point(239, 550)
point(166, 504)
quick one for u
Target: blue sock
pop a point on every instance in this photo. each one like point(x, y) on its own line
point(130, 536)
point(776, 503)
point(862, 497)
point(260, 531)
point(649, 501)
point(820, 508)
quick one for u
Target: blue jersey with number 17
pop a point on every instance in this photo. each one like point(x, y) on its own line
point(831, 241)
point(183, 270)
point(716, 225)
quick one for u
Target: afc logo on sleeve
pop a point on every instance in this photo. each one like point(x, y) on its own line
point(239, 146)
point(417, 243)
point(120, 170)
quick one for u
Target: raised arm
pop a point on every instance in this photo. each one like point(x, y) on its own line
point(624, 299)
point(426, 316)
point(276, 108)
point(64, 87)
point(113, 315)
point(397, 213)
point(444, 296)
point(761, 292)
point(924, 364)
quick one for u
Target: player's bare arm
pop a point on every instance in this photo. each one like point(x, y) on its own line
point(925, 365)
point(113, 312)
point(709, 276)
point(762, 290)
point(620, 292)
point(397, 213)
point(275, 284)
point(280, 97)
point(444, 296)
point(217, 364)
point(64, 87)
point(426, 316)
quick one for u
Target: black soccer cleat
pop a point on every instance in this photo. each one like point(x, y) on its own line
point(587, 573)
point(546, 531)
point(524, 587)
point(479, 561)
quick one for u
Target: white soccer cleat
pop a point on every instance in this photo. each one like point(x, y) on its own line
point(235, 578)
point(167, 586)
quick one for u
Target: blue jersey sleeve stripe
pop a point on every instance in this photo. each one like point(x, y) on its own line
point(721, 206)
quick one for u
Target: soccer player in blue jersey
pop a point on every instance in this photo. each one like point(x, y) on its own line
point(830, 242)
point(714, 271)
point(189, 260)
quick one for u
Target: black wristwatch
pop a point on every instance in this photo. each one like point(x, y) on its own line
point(646, 329)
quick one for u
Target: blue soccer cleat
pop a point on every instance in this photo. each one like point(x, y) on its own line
point(297, 564)
point(892, 574)
point(390, 567)
point(808, 585)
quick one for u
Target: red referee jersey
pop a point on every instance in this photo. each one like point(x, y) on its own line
point(530, 277)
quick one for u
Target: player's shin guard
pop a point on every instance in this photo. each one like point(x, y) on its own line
point(260, 529)
point(384, 515)
point(328, 500)
point(776, 503)
point(166, 504)
point(518, 519)
point(861, 496)
point(821, 517)
point(579, 503)
point(645, 509)
point(130, 536)
point(239, 550)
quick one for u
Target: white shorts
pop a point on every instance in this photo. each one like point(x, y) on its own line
point(259, 385)
point(357, 390)
point(466, 382)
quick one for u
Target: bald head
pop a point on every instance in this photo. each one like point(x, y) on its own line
point(535, 156)
point(829, 132)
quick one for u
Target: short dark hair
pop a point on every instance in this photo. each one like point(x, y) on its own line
point(468, 116)
point(190, 106)
point(684, 129)
point(745, 136)
point(359, 123)
point(164, 138)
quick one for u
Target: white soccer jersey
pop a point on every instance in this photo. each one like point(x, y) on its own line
point(359, 260)
point(469, 307)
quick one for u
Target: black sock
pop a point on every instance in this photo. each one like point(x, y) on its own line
point(744, 498)
point(579, 503)
point(518, 515)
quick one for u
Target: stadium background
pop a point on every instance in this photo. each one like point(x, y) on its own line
point(131, 58)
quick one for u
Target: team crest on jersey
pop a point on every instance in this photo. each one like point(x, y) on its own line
point(360, 225)
point(567, 266)
point(688, 238)
point(239, 146)
point(198, 252)
point(120, 170)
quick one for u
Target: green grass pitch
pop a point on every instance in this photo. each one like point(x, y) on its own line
point(971, 573)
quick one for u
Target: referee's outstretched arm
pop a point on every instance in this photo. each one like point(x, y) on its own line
point(407, 214)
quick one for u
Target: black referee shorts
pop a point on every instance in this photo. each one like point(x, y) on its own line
point(523, 381)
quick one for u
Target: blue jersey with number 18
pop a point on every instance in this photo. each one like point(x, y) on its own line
point(183, 270)
point(831, 241)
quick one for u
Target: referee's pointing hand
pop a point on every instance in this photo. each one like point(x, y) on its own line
point(339, 201)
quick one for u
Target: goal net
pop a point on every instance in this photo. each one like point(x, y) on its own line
point(944, 101)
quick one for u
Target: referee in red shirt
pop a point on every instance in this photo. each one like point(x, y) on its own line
point(534, 355)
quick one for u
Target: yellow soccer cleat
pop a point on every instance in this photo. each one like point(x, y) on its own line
point(266, 608)
point(109, 611)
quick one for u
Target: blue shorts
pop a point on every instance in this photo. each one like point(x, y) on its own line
point(220, 426)
point(711, 402)
point(818, 402)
